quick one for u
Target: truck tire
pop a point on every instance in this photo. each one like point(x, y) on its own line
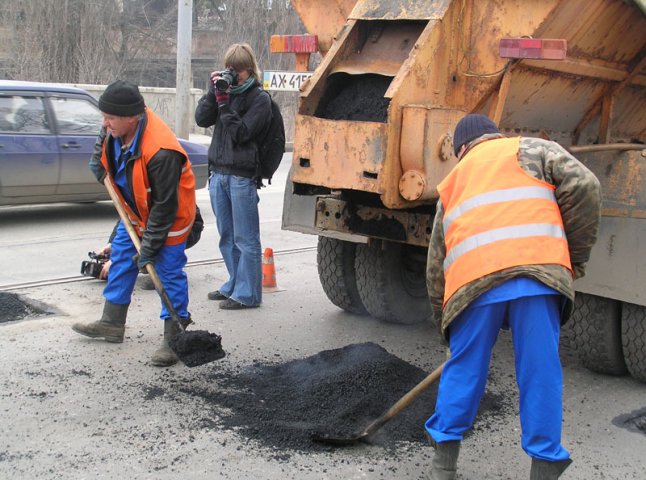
point(392, 282)
point(335, 261)
point(633, 335)
point(596, 334)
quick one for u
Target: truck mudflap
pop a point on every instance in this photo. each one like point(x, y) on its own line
point(617, 261)
point(608, 326)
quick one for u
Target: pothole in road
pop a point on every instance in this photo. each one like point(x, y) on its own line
point(14, 307)
point(634, 421)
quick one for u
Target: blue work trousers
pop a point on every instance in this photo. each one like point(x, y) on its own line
point(234, 201)
point(535, 326)
point(169, 265)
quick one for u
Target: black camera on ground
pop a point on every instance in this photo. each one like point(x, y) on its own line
point(92, 268)
point(227, 78)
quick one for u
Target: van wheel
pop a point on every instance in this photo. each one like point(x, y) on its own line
point(633, 335)
point(596, 334)
point(335, 261)
point(391, 278)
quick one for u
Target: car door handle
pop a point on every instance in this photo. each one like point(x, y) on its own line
point(71, 145)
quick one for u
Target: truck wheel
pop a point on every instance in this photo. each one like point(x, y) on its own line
point(596, 333)
point(335, 261)
point(633, 335)
point(392, 282)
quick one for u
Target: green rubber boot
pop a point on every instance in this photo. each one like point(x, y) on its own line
point(110, 327)
point(445, 461)
point(543, 470)
point(164, 356)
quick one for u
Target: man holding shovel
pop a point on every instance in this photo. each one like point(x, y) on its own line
point(514, 226)
point(154, 182)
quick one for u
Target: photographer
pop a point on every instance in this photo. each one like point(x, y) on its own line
point(241, 112)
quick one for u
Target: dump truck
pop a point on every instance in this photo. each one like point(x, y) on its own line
point(372, 140)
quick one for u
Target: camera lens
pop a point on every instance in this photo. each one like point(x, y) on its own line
point(222, 83)
point(227, 78)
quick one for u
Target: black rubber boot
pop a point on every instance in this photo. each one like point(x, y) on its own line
point(164, 356)
point(110, 327)
point(543, 470)
point(445, 461)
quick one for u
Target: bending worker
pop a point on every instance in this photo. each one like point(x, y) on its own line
point(153, 178)
point(514, 226)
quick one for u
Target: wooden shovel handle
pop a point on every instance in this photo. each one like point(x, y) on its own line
point(404, 401)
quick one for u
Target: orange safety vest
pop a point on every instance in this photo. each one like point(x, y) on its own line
point(156, 136)
point(497, 216)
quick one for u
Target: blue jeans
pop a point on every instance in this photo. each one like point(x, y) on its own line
point(169, 265)
point(235, 204)
point(535, 324)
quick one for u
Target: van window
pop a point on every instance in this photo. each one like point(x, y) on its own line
point(23, 115)
point(76, 116)
point(6, 114)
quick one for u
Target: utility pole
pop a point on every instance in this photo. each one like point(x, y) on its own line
point(183, 79)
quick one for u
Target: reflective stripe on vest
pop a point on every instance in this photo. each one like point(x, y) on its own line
point(485, 238)
point(497, 216)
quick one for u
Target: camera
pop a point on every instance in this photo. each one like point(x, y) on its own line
point(227, 78)
point(92, 268)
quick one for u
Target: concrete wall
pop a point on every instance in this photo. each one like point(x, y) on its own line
point(161, 101)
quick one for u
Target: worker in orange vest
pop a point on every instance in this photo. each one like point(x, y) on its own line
point(514, 226)
point(154, 182)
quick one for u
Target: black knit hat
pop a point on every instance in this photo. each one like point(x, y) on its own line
point(471, 127)
point(122, 99)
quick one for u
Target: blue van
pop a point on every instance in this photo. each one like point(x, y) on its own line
point(47, 133)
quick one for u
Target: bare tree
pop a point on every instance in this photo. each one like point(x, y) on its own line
point(96, 41)
point(254, 22)
point(81, 41)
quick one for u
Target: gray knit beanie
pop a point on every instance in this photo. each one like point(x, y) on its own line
point(122, 99)
point(471, 127)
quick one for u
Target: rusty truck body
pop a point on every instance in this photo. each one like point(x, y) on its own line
point(373, 140)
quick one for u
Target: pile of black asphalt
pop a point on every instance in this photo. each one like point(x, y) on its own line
point(13, 308)
point(355, 98)
point(340, 391)
point(197, 347)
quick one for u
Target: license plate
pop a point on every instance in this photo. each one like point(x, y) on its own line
point(284, 81)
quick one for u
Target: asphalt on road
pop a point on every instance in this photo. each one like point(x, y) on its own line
point(75, 408)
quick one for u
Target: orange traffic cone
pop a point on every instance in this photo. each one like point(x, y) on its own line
point(268, 270)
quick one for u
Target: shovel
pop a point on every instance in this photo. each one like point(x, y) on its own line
point(370, 430)
point(193, 348)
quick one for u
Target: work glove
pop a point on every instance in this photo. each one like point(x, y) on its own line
point(142, 261)
point(221, 97)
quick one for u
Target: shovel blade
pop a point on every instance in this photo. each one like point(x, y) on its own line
point(197, 347)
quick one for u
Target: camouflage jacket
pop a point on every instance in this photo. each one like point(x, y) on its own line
point(578, 194)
